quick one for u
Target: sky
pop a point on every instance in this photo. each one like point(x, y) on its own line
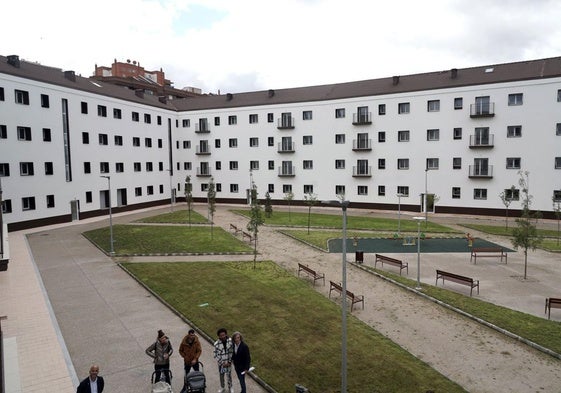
point(235, 46)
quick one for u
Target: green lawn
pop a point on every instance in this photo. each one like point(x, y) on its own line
point(293, 331)
point(176, 217)
point(162, 239)
point(550, 240)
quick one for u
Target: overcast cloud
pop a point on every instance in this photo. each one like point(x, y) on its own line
point(245, 45)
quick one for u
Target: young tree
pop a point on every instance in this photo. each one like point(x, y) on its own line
point(557, 211)
point(288, 197)
point(268, 205)
point(189, 196)
point(310, 200)
point(211, 197)
point(506, 199)
point(255, 219)
point(525, 235)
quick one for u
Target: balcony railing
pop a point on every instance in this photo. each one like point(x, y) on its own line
point(362, 144)
point(362, 171)
point(286, 147)
point(202, 150)
point(287, 171)
point(360, 119)
point(203, 172)
point(481, 171)
point(486, 109)
point(202, 128)
point(481, 140)
point(285, 123)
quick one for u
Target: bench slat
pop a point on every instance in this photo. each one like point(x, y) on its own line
point(484, 252)
point(392, 261)
point(458, 279)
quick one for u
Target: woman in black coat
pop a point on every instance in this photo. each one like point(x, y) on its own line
point(241, 358)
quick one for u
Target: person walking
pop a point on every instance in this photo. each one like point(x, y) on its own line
point(223, 351)
point(160, 351)
point(190, 350)
point(93, 383)
point(241, 358)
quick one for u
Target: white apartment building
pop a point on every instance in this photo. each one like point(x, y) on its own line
point(460, 136)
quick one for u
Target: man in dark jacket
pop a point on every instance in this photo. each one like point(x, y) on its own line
point(93, 383)
point(241, 358)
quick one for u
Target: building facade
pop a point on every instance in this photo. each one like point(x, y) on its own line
point(450, 141)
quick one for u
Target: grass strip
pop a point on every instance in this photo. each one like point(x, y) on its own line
point(175, 217)
point(550, 240)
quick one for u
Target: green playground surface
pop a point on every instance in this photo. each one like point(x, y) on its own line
point(409, 245)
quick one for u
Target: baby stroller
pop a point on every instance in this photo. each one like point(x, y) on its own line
point(161, 386)
point(195, 381)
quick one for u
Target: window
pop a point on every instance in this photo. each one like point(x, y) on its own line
point(233, 165)
point(148, 142)
point(84, 107)
point(308, 164)
point(270, 188)
point(233, 188)
point(382, 136)
point(44, 101)
point(103, 140)
point(339, 113)
point(135, 116)
point(271, 164)
point(186, 123)
point(254, 165)
point(3, 131)
point(147, 118)
point(403, 108)
point(403, 190)
point(138, 191)
point(433, 106)
point(433, 135)
point(24, 133)
point(117, 113)
point(186, 165)
point(339, 190)
point(363, 116)
point(381, 111)
point(46, 134)
point(102, 110)
point(381, 163)
point(307, 115)
point(4, 169)
point(26, 168)
point(456, 192)
point(403, 136)
point(119, 167)
point(85, 138)
point(512, 194)
point(253, 142)
point(6, 206)
point(339, 164)
point(187, 144)
point(286, 144)
point(308, 189)
point(558, 95)
point(479, 193)
point(458, 103)
point(160, 143)
point(104, 167)
point(233, 142)
point(161, 188)
point(457, 133)
point(232, 120)
point(558, 129)
point(49, 168)
point(28, 203)
point(307, 140)
point(216, 120)
point(87, 167)
point(1, 94)
point(149, 167)
point(50, 201)
point(381, 190)
point(270, 117)
point(135, 141)
point(457, 163)
point(22, 97)
point(403, 163)
point(432, 163)
point(271, 141)
point(150, 190)
point(557, 162)
point(514, 131)
point(118, 140)
point(89, 197)
point(217, 143)
point(339, 139)
point(204, 187)
point(362, 190)
point(286, 188)
point(253, 118)
point(513, 163)
point(515, 99)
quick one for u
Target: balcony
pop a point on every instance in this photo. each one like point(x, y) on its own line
point(362, 171)
point(362, 144)
point(203, 172)
point(476, 141)
point(202, 128)
point(360, 119)
point(287, 171)
point(285, 147)
point(481, 172)
point(486, 109)
point(202, 150)
point(285, 123)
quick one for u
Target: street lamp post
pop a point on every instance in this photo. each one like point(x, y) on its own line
point(418, 219)
point(399, 213)
point(344, 204)
point(112, 250)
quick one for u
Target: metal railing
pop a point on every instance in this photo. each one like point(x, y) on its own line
point(362, 118)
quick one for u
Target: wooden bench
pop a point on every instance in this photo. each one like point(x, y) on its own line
point(550, 303)
point(488, 252)
point(352, 297)
point(392, 261)
point(457, 278)
point(245, 234)
point(312, 273)
point(235, 229)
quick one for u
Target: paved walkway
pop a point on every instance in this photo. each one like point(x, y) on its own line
point(105, 316)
